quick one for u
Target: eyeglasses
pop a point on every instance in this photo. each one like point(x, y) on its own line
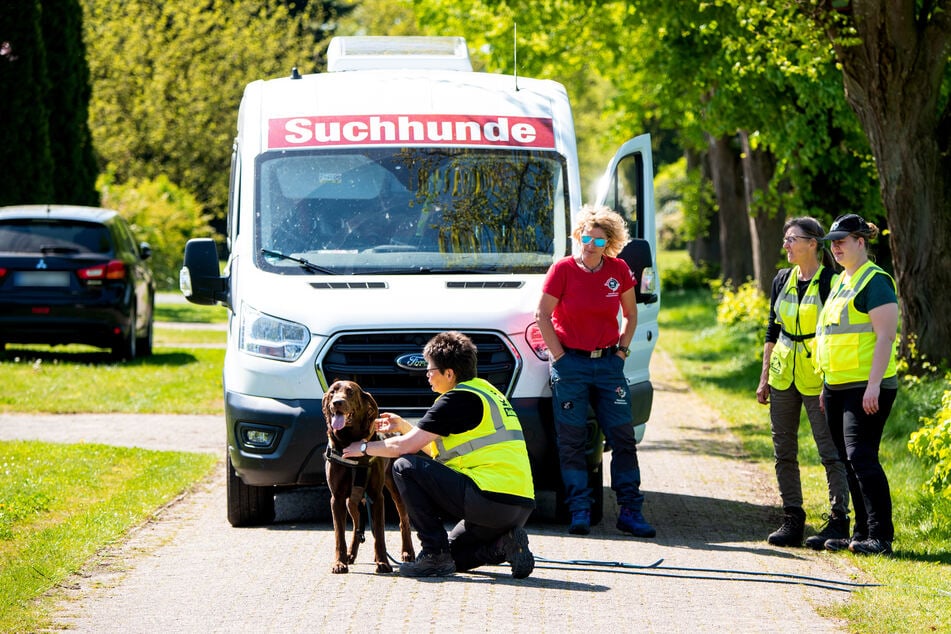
point(791, 239)
point(598, 242)
point(431, 371)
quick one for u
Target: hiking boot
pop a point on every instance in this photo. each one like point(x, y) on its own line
point(871, 546)
point(839, 544)
point(632, 521)
point(790, 533)
point(429, 564)
point(580, 522)
point(836, 527)
point(515, 545)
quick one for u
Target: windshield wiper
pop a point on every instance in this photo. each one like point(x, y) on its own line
point(310, 266)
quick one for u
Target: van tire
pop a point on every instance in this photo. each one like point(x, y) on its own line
point(248, 505)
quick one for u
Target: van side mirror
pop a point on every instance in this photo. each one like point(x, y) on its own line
point(637, 255)
point(200, 280)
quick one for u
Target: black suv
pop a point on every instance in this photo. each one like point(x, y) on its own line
point(74, 275)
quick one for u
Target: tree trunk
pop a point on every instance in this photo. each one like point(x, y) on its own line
point(736, 260)
point(705, 248)
point(893, 81)
point(766, 225)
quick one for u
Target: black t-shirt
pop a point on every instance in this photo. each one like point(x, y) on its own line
point(455, 412)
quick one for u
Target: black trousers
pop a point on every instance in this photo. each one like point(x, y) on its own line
point(857, 436)
point(435, 495)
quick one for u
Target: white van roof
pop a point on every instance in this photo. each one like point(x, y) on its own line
point(382, 52)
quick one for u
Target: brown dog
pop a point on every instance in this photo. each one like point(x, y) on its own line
point(351, 414)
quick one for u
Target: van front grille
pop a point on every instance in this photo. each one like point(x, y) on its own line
point(371, 359)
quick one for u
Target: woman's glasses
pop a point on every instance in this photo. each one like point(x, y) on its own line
point(791, 239)
point(598, 242)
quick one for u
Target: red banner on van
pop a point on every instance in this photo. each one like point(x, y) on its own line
point(468, 130)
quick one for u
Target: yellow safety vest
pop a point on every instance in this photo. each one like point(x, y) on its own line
point(791, 360)
point(845, 340)
point(493, 454)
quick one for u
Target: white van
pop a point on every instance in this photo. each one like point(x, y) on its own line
point(393, 197)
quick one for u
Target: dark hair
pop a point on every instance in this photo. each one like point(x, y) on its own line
point(812, 229)
point(453, 350)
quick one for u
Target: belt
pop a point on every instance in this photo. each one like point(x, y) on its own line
point(592, 354)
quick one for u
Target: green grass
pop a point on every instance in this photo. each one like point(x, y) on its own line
point(170, 336)
point(195, 313)
point(723, 366)
point(60, 504)
point(81, 379)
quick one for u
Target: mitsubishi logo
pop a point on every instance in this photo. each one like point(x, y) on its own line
point(41, 264)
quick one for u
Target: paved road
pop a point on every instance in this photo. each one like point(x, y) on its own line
point(189, 571)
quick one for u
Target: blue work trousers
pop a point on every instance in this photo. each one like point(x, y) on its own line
point(576, 382)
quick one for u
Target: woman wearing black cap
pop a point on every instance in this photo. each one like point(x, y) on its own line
point(790, 383)
point(855, 346)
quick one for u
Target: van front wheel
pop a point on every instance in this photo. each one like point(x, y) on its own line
point(248, 505)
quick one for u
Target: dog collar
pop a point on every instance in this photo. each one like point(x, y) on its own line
point(335, 455)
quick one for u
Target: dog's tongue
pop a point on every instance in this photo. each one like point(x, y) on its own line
point(338, 422)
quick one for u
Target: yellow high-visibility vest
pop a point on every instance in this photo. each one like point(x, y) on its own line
point(493, 454)
point(845, 340)
point(792, 358)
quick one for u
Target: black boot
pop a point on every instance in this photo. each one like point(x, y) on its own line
point(790, 533)
point(837, 527)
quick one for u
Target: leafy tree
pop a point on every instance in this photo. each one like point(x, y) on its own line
point(168, 78)
point(74, 162)
point(26, 165)
point(895, 62)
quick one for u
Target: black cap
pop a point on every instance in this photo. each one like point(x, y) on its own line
point(847, 225)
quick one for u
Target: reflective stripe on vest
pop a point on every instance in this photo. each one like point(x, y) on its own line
point(501, 434)
point(493, 454)
point(791, 358)
point(845, 338)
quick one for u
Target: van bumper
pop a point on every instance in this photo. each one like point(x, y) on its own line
point(276, 442)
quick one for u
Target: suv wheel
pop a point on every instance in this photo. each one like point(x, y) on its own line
point(248, 505)
point(124, 347)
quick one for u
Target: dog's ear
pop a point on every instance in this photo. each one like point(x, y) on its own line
point(370, 404)
point(326, 405)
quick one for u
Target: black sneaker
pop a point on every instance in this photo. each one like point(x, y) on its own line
point(871, 546)
point(836, 527)
point(515, 545)
point(429, 564)
point(842, 543)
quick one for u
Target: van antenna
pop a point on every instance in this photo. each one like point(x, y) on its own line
point(515, 53)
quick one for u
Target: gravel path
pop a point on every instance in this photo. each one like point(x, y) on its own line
point(189, 571)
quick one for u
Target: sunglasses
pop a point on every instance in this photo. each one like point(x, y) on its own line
point(598, 242)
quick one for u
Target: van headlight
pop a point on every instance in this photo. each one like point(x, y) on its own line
point(266, 336)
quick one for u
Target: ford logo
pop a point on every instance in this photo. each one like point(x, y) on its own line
point(412, 361)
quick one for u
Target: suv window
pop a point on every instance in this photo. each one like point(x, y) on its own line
point(37, 236)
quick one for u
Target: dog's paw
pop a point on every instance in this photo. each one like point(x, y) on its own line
point(383, 567)
point(407, 557)
point(339, 568)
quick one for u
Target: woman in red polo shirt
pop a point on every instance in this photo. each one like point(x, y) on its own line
point(578, 318)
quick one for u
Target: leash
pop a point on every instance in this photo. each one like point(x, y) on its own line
point(657, 569)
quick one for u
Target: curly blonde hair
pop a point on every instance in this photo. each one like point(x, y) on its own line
point(608, 221)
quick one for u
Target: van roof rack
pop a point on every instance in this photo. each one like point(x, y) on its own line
point(381, 52)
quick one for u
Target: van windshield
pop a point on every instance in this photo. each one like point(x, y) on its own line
point(412, 209)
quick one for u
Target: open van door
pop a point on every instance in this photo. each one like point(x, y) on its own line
point(627, 187)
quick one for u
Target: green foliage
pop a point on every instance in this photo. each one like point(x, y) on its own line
point(26, 165)
point(745, 308)
point(60, 503)
point(685, 275)
point(932, 443)
point(168, 78)
point(74, 162)
point(161, 214)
